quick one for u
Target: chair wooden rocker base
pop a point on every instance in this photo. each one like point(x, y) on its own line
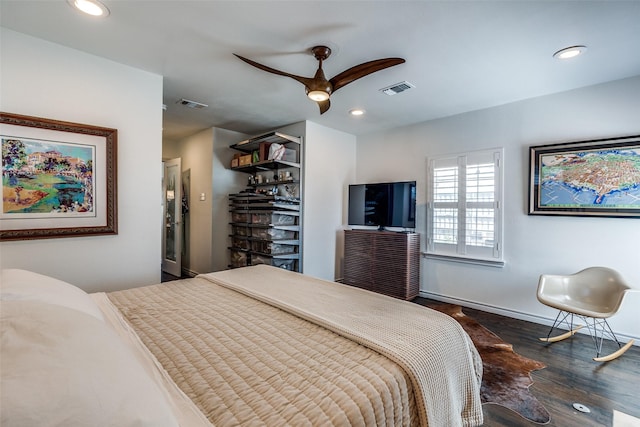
point(592, 295)
point(598, 329)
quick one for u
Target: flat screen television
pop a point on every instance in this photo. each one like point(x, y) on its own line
point(386, 204)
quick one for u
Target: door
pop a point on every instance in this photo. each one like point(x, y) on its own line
point(172, 218)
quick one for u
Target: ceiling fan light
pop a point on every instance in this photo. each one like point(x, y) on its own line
point(318, 95)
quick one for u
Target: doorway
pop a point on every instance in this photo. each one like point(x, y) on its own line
point(172, 218)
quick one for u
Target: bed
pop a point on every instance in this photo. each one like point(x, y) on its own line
point(250, 346)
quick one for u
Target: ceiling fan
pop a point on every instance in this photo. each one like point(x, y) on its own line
point(318, 88)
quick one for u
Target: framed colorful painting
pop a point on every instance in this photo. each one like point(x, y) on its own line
point(587, 178)
point(58, 179)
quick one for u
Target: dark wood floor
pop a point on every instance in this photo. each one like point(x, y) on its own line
point(570, 376)
point(166, 277)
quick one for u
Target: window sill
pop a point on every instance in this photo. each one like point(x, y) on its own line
point(466, 260)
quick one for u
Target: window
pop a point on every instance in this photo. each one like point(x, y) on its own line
point(464, 207)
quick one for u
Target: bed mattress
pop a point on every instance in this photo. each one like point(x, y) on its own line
point(248, 350)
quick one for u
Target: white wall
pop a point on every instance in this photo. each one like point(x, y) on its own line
point(329, 167)
point(170, 149)
point(533, 244)
point(196, 154)
point(43, 79)
point(225, 181)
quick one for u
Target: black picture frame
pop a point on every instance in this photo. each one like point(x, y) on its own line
point(599, 177)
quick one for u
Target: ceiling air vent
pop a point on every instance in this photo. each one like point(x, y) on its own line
point(191, 104)
point(397, 88)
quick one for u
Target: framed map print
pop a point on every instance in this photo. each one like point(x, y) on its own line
point(58, 179)
point(587, 178)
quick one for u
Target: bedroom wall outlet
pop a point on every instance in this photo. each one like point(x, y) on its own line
point(202, 197)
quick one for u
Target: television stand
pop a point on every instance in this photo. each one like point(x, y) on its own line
point(386, 262)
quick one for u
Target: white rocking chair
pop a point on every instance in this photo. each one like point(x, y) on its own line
point(593, 295)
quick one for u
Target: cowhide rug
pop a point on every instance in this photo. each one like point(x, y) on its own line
point(506, 375)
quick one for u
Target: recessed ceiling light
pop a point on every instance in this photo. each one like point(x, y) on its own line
point(90, 7)
point(357, 112)
point(570, 52)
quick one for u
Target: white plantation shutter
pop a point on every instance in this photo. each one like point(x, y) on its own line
point(464, 206)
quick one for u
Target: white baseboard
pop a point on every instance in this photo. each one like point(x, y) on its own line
point(541, 320)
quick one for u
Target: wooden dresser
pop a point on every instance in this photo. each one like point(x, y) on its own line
point(383, 261)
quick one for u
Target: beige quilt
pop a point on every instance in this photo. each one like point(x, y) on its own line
point(353, 361)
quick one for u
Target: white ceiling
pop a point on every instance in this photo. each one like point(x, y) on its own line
point(460, 55)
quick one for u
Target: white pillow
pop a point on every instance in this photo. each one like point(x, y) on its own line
point(26, 285)
point(61, 367)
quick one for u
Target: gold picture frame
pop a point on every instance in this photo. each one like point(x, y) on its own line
point(59, 179)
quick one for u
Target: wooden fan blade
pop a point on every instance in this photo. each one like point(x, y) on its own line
point(304, 80)
point(324, 106)
point(359, 71)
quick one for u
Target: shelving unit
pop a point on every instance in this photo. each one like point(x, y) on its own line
point(260, 144)
point(266, 217)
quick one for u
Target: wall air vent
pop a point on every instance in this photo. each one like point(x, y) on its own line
point(396, 88)
point(191, 104)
